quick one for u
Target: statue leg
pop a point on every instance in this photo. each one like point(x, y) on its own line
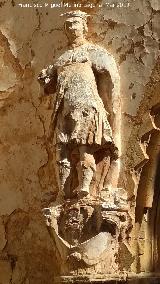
point(85, 168)
point(111, 180)
point(63, 168)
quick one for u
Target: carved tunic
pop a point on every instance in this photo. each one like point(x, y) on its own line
point(81, 117)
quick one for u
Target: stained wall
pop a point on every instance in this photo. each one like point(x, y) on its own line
point(30, 39)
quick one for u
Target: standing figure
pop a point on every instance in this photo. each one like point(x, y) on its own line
point(80, 125)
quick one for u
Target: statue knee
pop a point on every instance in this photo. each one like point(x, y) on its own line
point(88, 162)
point(65, 163)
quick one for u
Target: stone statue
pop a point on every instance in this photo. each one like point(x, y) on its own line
point(80, 127)
point(90, 214)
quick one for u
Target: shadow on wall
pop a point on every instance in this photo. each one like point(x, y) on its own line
point(147, 212)
point(156, 218)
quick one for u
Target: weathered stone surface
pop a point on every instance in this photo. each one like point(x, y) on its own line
point(5, 272)
point(90, 214)
point(30, 39)
point(2, 235)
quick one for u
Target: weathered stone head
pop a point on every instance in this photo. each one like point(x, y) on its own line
point(75, 25)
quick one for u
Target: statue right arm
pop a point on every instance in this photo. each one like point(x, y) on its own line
point(48, 79)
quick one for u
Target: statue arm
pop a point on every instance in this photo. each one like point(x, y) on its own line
point(48, 79)
point(112, 69)
point(104, 63)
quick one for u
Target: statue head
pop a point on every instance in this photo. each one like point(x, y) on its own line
point(76, 25)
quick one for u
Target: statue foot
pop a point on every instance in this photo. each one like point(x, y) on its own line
point(83, 192)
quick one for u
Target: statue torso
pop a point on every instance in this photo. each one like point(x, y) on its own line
point(76, 81)
point(82, 116)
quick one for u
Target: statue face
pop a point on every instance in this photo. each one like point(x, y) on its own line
point(74, 28)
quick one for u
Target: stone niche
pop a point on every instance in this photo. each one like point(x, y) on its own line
point(80, 142)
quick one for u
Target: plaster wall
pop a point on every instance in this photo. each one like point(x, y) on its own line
point(30, 39)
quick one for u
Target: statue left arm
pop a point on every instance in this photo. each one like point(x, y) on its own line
point(104, 63)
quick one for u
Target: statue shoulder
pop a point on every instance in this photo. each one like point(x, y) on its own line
point(63, 59)
point(101, 59)
point(96, 49)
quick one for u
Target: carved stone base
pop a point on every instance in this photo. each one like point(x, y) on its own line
point(111, 279)
point(90, 279)
point(88, 234)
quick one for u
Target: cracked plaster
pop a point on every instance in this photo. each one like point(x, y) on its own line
point(31, 39)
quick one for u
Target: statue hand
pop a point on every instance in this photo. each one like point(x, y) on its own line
point(46, 75)
point(48, 79)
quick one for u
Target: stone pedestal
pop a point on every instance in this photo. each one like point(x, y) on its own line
point(111, 279)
